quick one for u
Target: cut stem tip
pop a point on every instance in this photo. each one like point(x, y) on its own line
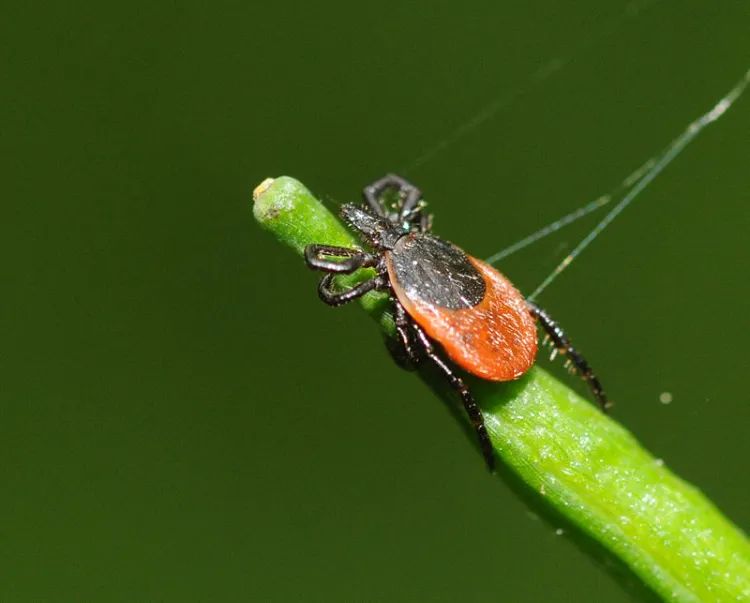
point(262, 188)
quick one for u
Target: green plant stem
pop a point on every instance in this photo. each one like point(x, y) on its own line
point(575, 460)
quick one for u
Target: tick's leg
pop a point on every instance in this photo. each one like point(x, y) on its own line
point(563, 346)
point(425, 222)
point(315, 256)
point(410, 209)
point(471, 406)
point(410, 194)
point(403, 348)
point(332, 297)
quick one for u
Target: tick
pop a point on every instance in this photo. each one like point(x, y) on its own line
point(446, 303)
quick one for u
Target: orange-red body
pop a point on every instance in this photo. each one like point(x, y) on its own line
point(495, 339)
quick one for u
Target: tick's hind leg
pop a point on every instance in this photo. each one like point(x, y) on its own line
point(563, 346)
point(470, 404)
point(405, 351)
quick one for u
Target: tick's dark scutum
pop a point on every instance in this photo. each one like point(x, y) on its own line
point(436, 272)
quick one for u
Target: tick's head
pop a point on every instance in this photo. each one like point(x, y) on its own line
point(380, 232)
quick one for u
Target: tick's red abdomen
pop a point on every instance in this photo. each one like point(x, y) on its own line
point(495, 339)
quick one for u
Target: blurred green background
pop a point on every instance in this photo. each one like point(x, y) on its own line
point(170, 425)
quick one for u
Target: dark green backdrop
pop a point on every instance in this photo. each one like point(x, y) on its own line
point(169, 430)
